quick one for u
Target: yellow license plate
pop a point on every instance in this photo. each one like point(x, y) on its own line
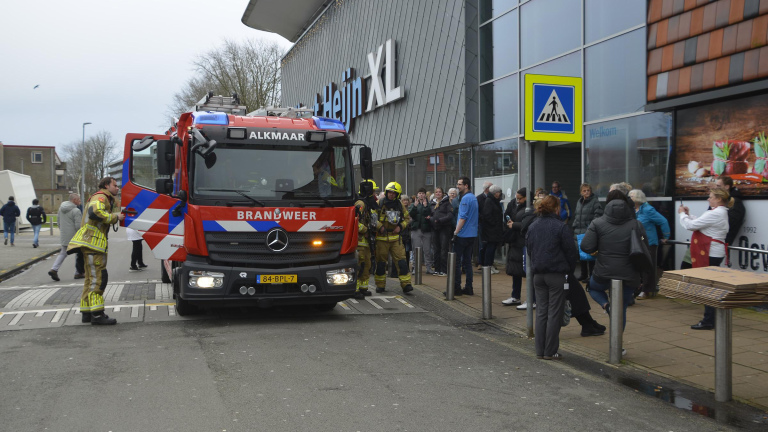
point(276, 279)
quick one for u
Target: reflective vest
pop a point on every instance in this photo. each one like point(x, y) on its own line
point(97, 217)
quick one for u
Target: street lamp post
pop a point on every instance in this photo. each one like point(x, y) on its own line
point(82, 173)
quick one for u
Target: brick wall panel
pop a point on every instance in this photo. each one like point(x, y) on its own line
point(751, 62)
point(654, 11)
point(697, 21)
point(702, 48)
point(667, 56)
point(763, 7)
point(743, 36)
point(762, 66)
point(684, 82)
point(736, 13)
point(716, 44)
point(722, 71)
point(729, 40)
point(684, 28)
point(673, 83)
point(710, 15)
point(759, 29)
point(697, 77)
point(661, 34)
point(708, 77)
point(654, 61)
point(651, 90)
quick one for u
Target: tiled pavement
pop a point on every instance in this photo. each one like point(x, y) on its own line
point(658, 337)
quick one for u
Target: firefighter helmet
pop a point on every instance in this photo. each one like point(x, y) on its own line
point(394, 187)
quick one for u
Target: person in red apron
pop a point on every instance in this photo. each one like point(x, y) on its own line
point(708, 246)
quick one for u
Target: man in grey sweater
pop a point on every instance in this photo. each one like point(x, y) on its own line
point(69, 220)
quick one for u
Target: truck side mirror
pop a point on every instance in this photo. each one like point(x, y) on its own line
point(164, 186)
point(366, 162)
point(166, 157)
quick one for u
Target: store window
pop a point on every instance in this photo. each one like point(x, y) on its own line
point(499, 117)
point(458, 164)
point(499, 47)
point(615, 76)
point(498, 163)
point(608, 17)
point(493, 8)
point(549, 28)
point(569, 65)
point(635, 150)
point(420, 173)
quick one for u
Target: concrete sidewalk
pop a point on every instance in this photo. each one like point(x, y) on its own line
point(658, 337)
point(14, 260)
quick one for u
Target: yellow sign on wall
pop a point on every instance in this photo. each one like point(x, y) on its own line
point(553, 108)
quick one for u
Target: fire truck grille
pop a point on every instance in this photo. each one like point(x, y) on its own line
point(250, 249)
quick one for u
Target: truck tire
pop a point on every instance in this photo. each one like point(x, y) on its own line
point(184, 308)
point(164, 274)
point(325, 307)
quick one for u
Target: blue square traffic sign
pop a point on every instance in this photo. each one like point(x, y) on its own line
point(554, 107)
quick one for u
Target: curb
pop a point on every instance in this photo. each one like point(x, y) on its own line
point(18, 268)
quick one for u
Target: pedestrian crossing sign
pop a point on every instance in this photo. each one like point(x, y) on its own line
point(553, 108)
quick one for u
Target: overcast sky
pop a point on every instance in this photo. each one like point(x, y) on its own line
point(114, 63)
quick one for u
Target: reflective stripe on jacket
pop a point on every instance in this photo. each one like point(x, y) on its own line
point(97, 217)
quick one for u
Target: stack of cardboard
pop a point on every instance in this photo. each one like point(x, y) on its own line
point(720, 287)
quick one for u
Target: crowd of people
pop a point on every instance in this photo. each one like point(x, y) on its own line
point(590, 238)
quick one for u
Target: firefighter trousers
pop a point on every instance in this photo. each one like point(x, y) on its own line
point(96, 278)
point(397, 250)
point(363, 267)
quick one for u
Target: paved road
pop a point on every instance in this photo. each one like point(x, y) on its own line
point(359, 367)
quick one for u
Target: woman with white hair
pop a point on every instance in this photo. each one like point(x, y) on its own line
point(491, 224)
point(650, 218)
point(453, 196)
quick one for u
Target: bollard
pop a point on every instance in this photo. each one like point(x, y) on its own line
point(487, 292)
point(617, 330)
point(417, 265)
point(51, 219)
point(451, 279)
point(723, 355)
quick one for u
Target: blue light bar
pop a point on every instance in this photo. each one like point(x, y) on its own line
point(328, 124)
point(210, 117)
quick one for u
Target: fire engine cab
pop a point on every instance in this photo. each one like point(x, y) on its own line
point(253, 209)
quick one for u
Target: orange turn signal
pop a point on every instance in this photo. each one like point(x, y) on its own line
point(317, 243)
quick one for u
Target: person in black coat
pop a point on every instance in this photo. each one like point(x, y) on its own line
point(609, 237)
point(442, 230)
point(492, 225)
point(553, 258)
point(515, 237)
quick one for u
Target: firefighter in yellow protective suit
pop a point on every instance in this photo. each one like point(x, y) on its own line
point(367, 218)
point(91, 239)
point(393, 219)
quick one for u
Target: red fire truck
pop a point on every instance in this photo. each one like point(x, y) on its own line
point(247, 210)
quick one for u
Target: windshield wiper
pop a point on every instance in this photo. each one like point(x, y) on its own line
point(254, 200)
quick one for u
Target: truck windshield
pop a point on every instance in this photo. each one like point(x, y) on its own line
point(274, 172)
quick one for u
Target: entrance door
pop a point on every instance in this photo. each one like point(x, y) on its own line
point(562, 163)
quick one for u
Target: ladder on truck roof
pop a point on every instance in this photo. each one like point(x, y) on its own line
point(229, 105)
point(289, 112)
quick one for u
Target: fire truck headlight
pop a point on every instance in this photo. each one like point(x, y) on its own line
point(205, 279)
point(341, 276)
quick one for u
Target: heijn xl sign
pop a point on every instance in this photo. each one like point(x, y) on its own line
point(355, 95)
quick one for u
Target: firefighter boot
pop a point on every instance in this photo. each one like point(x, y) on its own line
point(359, 295)
point(100, 318)
point(408, 288)
point(86, 318)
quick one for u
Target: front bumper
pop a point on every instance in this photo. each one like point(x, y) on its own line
point(265, 295)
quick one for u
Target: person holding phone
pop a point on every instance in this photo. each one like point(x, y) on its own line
point(515, 237)
point(492, 225)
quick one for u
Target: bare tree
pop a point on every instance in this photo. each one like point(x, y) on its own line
point(99, 150)
point(250, 68)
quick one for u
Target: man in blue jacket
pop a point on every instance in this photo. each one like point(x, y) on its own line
point(464, 236)
point(10, 211)
point(565, 206)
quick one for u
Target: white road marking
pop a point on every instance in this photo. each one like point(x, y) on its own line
point(57, 316)
point(404, 302)
point(376, 305)
point(163, 291)
point(31, 298)
point(16, 319)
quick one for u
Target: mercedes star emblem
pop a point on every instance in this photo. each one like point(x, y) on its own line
point(277, 240)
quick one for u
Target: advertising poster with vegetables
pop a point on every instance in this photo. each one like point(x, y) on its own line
point(727, 138)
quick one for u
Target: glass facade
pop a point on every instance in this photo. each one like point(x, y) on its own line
point(598, 40)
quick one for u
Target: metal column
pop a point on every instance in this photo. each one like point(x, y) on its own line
point(617, 315)
point(417, 266)
point(487, 292)
point(451, 279)
point(723, 354)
